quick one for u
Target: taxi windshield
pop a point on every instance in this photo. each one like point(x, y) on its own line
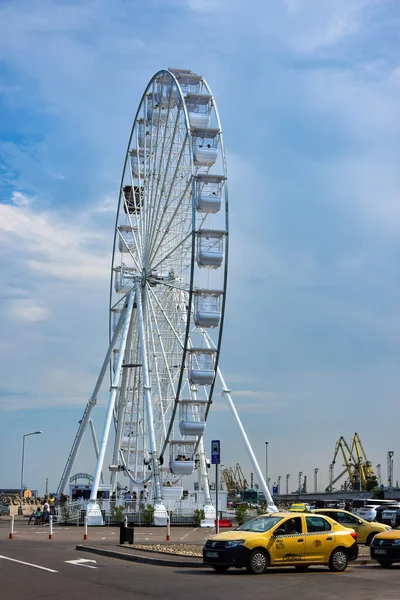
point(260, 524)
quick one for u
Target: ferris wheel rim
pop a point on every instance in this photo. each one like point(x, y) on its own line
point(191, 287)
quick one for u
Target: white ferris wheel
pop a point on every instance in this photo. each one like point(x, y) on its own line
point(167, 293)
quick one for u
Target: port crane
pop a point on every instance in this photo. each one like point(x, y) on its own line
point(234, 480)
point(360, 474)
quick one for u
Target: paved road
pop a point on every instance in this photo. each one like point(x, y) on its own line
point(109, 578)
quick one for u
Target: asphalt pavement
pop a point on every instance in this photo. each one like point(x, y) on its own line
point(33, 567)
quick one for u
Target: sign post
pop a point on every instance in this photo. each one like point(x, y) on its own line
point(215, 460)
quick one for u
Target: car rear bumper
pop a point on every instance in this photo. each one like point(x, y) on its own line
point(352, 552)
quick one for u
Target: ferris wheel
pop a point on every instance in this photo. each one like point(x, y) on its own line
point(167, 293)
point(168, 280)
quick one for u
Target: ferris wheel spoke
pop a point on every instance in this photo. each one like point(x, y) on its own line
point(164, 170)
point(169, 223)
point(178, 246)
point(169, 202)
point(166, 318)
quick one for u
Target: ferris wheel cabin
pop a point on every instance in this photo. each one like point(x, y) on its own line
point(201, 365)
point(192, 417)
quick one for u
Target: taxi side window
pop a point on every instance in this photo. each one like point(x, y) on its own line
point(340, 517)
point(291, 526)
point(348, 519)
point(317, 524)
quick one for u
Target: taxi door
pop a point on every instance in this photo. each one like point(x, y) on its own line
point(351, 521)
point(288, 547)
point(320, 539)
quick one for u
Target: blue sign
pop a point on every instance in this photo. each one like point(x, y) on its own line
point(215, 452)
point(274, 489)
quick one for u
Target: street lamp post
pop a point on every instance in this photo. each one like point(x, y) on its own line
point(22, 466)
point(300, 474)
point(266, 462)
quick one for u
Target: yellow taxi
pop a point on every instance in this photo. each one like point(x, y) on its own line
point(364, 529)
point(282, 539)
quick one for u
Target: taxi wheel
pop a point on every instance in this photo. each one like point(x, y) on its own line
point(385, 563)
point(258, 562)
point(338, 560)
point(220, 568)
point(370, 538)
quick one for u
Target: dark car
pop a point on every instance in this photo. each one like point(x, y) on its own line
point(385, 547)
point(4, 509)
point(380, 517)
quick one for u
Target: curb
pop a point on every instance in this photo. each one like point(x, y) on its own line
point(160, 562)
point(164, 562)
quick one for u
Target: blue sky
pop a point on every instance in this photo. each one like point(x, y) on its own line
point(308, 96)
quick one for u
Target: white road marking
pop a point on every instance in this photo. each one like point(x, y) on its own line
point(80, 562)
point(185, 536)
point(21, 562)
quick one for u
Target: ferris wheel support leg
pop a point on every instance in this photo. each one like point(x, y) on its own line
point(120, 411)
point(89, 408)
point(204, 484)
point(209, 509)
point(93, 512)
point(160, 513)
point(96, 446)
point(226, 393)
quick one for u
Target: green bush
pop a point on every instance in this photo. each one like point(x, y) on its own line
point(148, 514)
point(241, 514)
point(262, 509)
point(117, 513)
point(198, 516)
point(64, 513)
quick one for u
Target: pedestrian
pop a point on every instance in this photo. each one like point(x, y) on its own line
point(52, 502)
point(46, 511)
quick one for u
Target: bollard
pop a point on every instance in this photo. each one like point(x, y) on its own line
point(11, 536)
point(85, 533)
point(125, 521)
point(51, 527)
point(168, 528)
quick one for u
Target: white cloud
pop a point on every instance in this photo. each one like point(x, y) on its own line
point(64, 244)
point(24, 310)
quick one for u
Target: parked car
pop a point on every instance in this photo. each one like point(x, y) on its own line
point(4, 509)
point(381, 510)
point(388, 513)
point(282, 539)
point(395, 522)
point(367, 512)
point(364, 529)
point(385, 547)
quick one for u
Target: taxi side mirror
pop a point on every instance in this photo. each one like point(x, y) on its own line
point(360, 522)
point(279, 532)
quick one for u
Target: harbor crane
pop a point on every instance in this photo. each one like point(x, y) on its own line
point(360, 474)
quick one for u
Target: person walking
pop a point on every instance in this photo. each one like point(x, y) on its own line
point(46, 511)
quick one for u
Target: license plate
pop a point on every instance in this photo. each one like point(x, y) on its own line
point(379, 551)
point(212, 554)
